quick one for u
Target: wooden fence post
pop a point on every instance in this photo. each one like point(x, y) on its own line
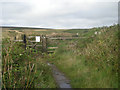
point(15, 38)
point(44, 44)
point(24, 40)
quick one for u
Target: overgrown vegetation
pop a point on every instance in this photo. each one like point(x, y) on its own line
point(24, 68)
point(90, 63)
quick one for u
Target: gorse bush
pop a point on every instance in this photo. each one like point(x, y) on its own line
point(103, 51)
point(102, 57)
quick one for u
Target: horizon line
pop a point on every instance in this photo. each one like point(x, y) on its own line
point(36, 27)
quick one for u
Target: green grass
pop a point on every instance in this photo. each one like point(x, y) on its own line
point(90, 63)
point(82, 32)
point(24, 68)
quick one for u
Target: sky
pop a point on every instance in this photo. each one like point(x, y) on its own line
point(59, 14)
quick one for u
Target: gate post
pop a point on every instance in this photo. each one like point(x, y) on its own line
point(24, 40)
point(15, 38)
point(44, 44)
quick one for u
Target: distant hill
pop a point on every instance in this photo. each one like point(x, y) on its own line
point(14, 27)
point(17, 28)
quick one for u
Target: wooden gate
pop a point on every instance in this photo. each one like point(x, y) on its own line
point(35, 42)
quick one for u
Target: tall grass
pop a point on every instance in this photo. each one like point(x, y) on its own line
point(90, 63)
point(24, 68)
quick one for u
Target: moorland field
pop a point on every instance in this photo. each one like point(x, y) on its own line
point(88, 61)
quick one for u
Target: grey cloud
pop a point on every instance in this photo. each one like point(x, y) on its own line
point(99, 10)
point(71, 16)
point(14, 10)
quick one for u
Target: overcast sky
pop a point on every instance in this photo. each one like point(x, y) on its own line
point(59, 13)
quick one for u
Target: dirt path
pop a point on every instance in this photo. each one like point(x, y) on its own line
point(60, 78)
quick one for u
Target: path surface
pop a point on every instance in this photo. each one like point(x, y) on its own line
point(60, 78)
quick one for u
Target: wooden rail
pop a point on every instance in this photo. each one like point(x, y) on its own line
point(31, 36)
point(35, 45)
point(52, 47)
point(50, 51)
point(18, 40)
point(31, 41)
point(65, 38)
